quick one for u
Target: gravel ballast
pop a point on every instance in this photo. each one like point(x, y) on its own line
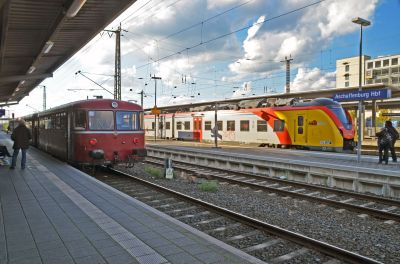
point(367, 236)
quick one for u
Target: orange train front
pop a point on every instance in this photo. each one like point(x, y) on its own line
point(320, 124)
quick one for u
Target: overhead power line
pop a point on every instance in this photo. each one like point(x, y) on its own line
point(234, 32)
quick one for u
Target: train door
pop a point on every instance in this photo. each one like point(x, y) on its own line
point(197, 128)
point(69, 135)
point(300, 133)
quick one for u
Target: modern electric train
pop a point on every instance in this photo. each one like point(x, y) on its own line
point(319, 124)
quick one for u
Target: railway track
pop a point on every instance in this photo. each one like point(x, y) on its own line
point(376, 206)
point(265, 241)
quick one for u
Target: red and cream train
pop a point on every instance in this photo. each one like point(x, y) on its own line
point(101, 132)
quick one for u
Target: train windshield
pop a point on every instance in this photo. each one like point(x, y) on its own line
point(101, 120)
point(341, 114)
point(128, 120)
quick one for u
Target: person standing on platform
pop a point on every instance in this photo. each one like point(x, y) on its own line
point(384, 143)
point(395, 136)
point(21, 136)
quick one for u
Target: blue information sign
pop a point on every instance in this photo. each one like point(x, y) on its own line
point(2, 112)
point(363, 95)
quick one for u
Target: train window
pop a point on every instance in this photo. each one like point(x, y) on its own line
point(262, 126)
point(80, 119)
point(127, 120)
point(179, 126)
point(230, 125)
point(220, 125)
point(187, 125)
point(168, 125)
point(341, 114)
point(300, 130)
point(207, 125)
point(279, 125)
point(300, 121)
point(244, 125)
point(63, 123)
point(101, 120)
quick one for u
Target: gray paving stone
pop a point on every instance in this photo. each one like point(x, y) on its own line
point(151, 259)
point(182, 258)
point(104, 243)
point(23, 254)
point(79, 250)
point(58, 259)
point(95, 259)
point(210, 257)
point(196, 249)
point(172, 234)
point(158, 241)
point(48, 245)
point(168, 250)
point(183, 241)
point(27, 261)
point(121, 259)
point(112, 251)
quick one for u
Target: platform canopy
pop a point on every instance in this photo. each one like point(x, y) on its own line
point(38, 36)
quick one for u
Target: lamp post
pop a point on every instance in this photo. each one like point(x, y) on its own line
point(363, 23)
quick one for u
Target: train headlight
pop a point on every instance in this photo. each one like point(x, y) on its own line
point(92, 141)
point(135, 140)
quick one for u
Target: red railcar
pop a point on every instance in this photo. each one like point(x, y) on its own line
point(101, 131)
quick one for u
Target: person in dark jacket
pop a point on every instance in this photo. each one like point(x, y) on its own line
point(395, 136)
point(21, 137)
point(384, 143)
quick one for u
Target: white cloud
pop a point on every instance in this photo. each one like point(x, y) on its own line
point(314, 79)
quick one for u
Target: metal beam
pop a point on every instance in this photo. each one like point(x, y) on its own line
point(17, 78)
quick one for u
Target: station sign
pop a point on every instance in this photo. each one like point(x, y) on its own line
point(2, 112)
point(363, 95)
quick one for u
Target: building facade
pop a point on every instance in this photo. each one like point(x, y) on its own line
point(381, 70)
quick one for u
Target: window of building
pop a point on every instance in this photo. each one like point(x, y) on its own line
point(369, 81)
point(279, 125)
point(377, 72)
point(370, 65)
point(377, 64)
point(378, 81)
point(230, 125)
point(207, 125)
point(386, 80)
point(385, 71)
point(244, 125)
point(395, 79)
point(168, 125)
point(395, 70)
point(79, 120)
point(220, 125)
point(385, 63)
point(187, 125)
point(179, 125)
point(346, 84)
point(395, 61)
point(262, 126)
point(347, 68)
point(346, 77)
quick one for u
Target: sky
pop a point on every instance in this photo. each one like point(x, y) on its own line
point(218, 49)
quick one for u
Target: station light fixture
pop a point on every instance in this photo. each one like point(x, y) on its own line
point(74, 8)
point(31, 69)
point(48, 46)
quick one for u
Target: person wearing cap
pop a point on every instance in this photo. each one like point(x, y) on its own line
point(21, 137)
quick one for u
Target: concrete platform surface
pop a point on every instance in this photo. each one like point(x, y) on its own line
point(53, 213)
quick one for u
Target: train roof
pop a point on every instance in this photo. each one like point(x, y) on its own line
point(317, 102)
point(94, 103)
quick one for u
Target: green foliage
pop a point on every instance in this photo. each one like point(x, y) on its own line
point(208, 186)
point(156, 172)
